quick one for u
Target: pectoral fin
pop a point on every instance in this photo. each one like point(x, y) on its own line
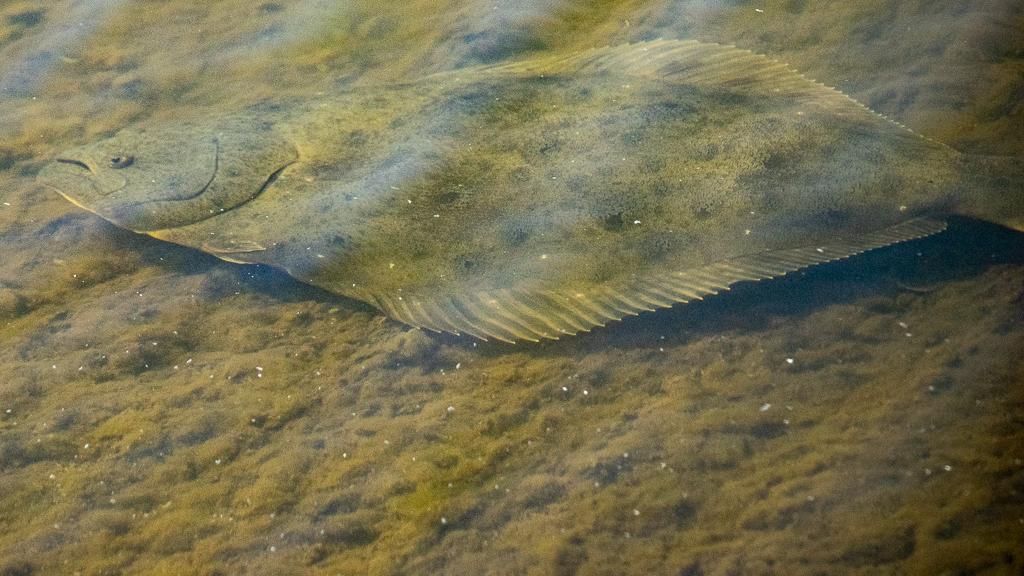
point(225, 249)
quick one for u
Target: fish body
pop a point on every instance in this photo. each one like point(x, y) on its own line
point(541, 198)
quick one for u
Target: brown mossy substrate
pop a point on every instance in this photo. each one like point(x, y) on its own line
point(163, 412)
point(250, 433)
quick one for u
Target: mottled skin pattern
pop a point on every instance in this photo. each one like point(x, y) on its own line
point(563, 175)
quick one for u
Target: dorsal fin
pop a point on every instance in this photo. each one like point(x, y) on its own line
point(510, 315)
point(708, 64)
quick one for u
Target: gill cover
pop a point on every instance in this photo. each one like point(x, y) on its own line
point(174, 174)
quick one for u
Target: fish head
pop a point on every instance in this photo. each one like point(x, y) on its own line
point(171, 175)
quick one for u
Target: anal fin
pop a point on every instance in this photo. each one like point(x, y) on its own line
point(524, 314)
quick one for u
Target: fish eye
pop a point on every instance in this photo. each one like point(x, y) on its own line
point(119, 162)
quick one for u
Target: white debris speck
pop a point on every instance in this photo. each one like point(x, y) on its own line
point(86, 445)
point(451, 409)
point(759, 11)
point(444, 520)
point(947, 468)
point(636, 512)
point(543, 256)
point(586, 392)
point(790, 360)
point(564, 389)
point(746, 232)
point(636, 221)
point(458, 365)
point(217, 461)
point(53, 476)
point(764, 407)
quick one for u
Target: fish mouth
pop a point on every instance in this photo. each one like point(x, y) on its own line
point(74, 162)
point(73, 179)
point(78, 177)
point(74, 173)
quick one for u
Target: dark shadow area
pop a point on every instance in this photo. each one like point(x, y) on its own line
point(965, 250)
point(276, 284)
point(258, 278)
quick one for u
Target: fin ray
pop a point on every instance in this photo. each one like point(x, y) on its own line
point(513, 314)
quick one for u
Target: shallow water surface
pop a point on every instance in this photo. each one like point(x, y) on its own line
point(165, 412)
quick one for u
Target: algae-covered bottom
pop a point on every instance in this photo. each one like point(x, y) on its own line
point(864, 417)
point(162, 412)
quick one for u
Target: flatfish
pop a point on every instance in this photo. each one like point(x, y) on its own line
point(540, 198)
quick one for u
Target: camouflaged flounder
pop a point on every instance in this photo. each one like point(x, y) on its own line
point(544, 197)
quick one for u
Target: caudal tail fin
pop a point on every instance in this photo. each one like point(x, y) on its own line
point(995, 190)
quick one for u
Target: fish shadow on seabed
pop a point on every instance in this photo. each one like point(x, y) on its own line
point(965, 250)
point(260, 279)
